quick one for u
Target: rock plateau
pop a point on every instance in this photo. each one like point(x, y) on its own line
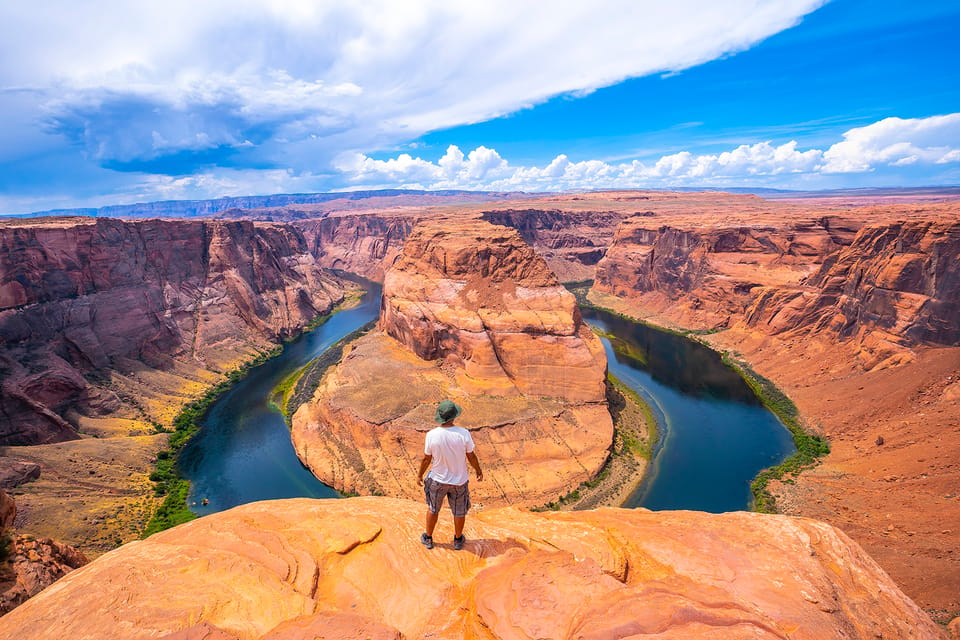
point(299, 569)
point(469, 312)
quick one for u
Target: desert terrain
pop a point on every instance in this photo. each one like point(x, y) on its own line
point(848, 304)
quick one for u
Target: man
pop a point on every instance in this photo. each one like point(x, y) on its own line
point(445, 452)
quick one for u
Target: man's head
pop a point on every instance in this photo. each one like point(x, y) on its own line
point(447, 412)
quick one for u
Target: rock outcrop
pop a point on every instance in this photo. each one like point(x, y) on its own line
point(13, 473)
point(894, 285)
point(475, 295)
point(28, 565)
point(355, 569)
point(91, 311)
point(469, 312)
point(8, 511)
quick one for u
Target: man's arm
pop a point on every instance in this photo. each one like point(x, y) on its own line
point(424, 465)
point(475, 463)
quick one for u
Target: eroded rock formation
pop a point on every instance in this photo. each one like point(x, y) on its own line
point(355, 568)
point(881, 285)
point(28, 565)
point(469, 312)
point(89, 309)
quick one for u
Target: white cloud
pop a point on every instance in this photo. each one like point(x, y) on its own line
point(304, 81)
point(893, 142)
point(897, 142)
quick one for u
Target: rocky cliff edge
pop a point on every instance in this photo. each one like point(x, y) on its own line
point(355, 569)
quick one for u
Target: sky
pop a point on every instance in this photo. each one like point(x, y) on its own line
point(113, 102)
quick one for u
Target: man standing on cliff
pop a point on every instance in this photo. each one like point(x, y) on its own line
point(446, 452)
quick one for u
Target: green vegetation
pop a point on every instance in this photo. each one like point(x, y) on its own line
point(168, 483)
point(810, 447)
point(281, 394)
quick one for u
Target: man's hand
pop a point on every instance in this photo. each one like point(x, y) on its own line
point(479, 474)
point(424, 465)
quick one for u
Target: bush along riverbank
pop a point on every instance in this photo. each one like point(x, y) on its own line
point(168, 483)
point(811, 447)
point(635, 438)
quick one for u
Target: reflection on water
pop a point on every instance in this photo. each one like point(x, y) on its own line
point(243, 451)
point(715, 434)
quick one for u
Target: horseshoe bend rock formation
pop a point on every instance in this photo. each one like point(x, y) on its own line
point(469, 312)
point(355, 568)
point(106, 317)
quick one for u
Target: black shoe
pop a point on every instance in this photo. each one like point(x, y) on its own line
point(426, 540)
point(458, 542)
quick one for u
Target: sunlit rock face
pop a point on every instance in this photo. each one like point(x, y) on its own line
point(478, 296)
point(469, 313)
point(354, 568)
point(99, 318)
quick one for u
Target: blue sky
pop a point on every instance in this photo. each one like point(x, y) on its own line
point(112, 102)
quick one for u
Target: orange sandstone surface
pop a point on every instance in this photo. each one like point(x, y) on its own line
point(354, 568)
point(470, 313)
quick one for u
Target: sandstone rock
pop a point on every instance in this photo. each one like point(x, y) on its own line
point(8, 511)
point(13, 473)
point(81, 300)
point(33, 565)
point(355, 568)
point(478, 294)
point(475, 316)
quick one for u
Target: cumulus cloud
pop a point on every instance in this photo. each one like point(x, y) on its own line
point(297, 83)
point(897, 142)
point(893, 142)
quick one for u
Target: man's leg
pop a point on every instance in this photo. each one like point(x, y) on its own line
point(431, 522)
point(457, 524)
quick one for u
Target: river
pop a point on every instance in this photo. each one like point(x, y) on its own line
point(715, 434)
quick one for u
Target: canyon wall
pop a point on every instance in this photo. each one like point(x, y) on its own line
point(83, 302)
point(367, 243)
point(470, 313)
point(355, 568)
point(881, 285)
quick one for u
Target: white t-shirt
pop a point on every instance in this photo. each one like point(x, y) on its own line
point(449, 447)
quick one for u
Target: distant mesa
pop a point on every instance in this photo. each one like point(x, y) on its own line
point(293, 569)
point(470, 312)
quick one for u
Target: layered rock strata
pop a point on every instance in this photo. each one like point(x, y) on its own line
point(355, 568)
point(470, 313)
point(91, 310)
point(882, 285)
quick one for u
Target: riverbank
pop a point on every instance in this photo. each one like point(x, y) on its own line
point(169, 482)
point(811, 447)
point(635, 438)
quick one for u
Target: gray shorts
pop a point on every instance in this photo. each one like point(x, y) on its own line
point(458, 496)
